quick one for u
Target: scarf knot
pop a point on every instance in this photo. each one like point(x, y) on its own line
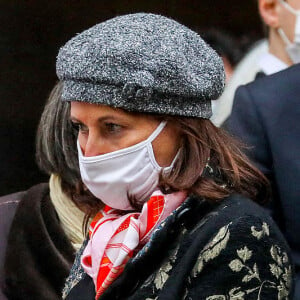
point(115, 238)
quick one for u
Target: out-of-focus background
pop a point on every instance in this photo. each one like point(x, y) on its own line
point(31, 32)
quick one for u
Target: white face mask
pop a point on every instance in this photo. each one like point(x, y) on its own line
point(129, 172)
point(292, 48)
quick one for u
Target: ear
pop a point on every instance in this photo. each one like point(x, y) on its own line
point(268, 10)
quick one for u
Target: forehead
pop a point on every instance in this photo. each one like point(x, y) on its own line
point(92, 108)
point(90, 111)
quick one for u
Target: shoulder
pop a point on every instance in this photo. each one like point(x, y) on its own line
point(235, 207)
point(285, 83)
point(237, 223)
point(33, 195)
point(244, 216)
point(288, 75)
point(35, 233)
point(245, 255)
point(11, 198)
point(8, 206)
point(30, 205)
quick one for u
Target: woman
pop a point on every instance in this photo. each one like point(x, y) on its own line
point(41, 228)
point(178, 220)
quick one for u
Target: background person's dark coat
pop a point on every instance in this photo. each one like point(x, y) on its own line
point(266, 116)
point(8, 205)
point(35, 252)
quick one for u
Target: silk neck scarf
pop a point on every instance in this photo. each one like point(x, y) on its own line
point(115, 238)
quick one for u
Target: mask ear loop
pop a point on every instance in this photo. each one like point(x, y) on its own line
point(292, 10)
point(297, 30)
point(152, 137)
point(284, 37)
point(157, 131)
point(167, 170)
point(295, 13)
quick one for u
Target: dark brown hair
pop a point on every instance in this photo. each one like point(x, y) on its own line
point(56, 150)
point(212, 165)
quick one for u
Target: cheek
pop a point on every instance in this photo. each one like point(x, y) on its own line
point(287, 23)
point(165, 147)
point(295, 4)
point(291, 28)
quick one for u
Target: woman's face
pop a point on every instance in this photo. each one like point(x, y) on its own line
point(103, 129)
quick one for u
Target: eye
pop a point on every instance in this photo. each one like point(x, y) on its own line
point(78, 127)
point(75, 126)
point(113, 128)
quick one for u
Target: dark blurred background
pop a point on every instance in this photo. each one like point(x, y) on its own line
point(31, 32)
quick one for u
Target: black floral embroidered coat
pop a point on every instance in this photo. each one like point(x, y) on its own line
point(231, 250)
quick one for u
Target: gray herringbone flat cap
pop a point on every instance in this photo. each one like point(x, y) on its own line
point(142, 62)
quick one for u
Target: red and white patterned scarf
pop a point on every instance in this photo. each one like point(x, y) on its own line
point(114, 239)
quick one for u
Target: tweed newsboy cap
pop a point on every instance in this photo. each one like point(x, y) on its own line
point(142, 62)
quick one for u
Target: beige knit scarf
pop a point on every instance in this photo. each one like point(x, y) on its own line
point(70, 216)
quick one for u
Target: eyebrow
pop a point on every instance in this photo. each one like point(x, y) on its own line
point(101, 119)
point(73, 119)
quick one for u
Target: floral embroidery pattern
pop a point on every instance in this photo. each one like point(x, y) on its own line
point(235, 294)
point(212, 250)
point(244, 263)
point(280, 269)
point(260, 233)
point(238, 264)
point(162, 274)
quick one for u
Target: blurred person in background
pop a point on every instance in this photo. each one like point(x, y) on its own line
point(265, 117)
point(266, 114)
point(244, 72)
point(282, 49)
point(225, 45)
point(228, 49)
point(41, 228)
point(282, 20)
